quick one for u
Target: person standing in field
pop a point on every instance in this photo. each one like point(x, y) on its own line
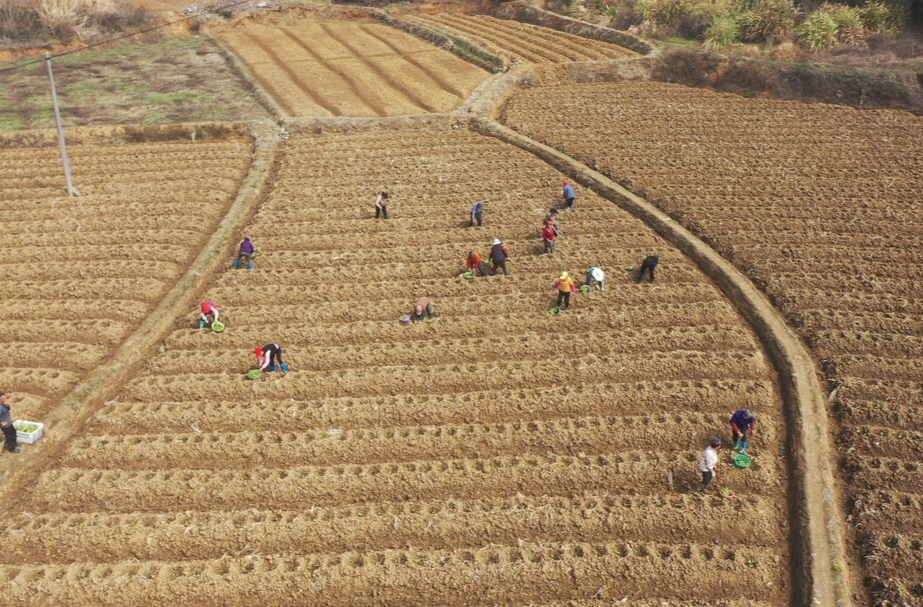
point(568, 194)
point(648, 265)
point(6, 424)
point(498, 257)
point(708, 463)
point(381, 205)
point(209, 314)
point(565, 286)
point(269, 356)
point(477, 213)
point(423, 307)
point(548, 237)
point(743, 424)
point(474, 263)
point(245, 254)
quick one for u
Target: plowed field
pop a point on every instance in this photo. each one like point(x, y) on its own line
point(522, 42)
point(79, 274)
point(820, 204)
point(495, 454)
point(326, 67)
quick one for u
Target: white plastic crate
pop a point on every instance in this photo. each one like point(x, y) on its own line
point(28, 437)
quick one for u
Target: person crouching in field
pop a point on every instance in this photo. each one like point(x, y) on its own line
point(209, 314)
point(743, 424)
point(245, 254)
point(269, 356)
point(648, 265)
point(422, 309)
point(477, 214)
point(474, 263)
point(595, 275)
point(6, 424)
point(708, 463)
point(381, 205)
point(565, 286)
point(498, 257)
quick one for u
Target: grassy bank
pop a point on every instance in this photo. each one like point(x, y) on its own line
point(176, 80)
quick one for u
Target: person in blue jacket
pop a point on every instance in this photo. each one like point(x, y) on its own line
point(477, 213)
point(568, 194)
point(743, 424)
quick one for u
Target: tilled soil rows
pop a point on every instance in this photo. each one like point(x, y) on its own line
point(319, 66)
point(819, 205)
point(79, 274)
point(494, 454)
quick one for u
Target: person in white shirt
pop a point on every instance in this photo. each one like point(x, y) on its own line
point(708, 463)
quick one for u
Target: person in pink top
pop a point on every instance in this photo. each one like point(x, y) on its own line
point(209, 314)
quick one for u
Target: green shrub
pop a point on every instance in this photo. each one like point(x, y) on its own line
point(877, 17)
point(767, 20)
point(818, 32)
point(849, 27)
point(686, 18)
point(721, 33)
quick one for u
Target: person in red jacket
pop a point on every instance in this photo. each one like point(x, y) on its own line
point(209, 314)
point(474, 263)
point(549, 234)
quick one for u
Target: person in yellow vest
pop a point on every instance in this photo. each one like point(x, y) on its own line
point(565, 286)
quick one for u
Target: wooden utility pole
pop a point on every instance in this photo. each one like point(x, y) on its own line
point(71, 190)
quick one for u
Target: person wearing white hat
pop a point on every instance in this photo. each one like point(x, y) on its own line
point(595, 275)
point(498, 256)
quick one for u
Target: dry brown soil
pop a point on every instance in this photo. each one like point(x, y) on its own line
point(319, 66)
point(494, 454)
point(820, 205)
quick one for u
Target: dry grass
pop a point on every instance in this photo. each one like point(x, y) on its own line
point(25, 22)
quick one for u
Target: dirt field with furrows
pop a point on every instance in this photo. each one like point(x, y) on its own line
point(494, 454)
point(520, 42)
point(820, 205)
point(79, 274)
point(318, 66)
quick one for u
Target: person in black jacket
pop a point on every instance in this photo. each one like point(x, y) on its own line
point(498, 256)
point(6, 424)
point(648, 265)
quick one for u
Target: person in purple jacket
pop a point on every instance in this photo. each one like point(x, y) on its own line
point(246, 254)
point(743, 424)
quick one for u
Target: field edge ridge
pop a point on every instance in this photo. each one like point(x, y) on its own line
point(79, 405)
point(817, 531)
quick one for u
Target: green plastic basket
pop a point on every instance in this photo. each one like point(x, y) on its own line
point(742, 461)
point(217, 327)
point(555, 311)
point(253, 374)
point(584, 289)
point(468, 275)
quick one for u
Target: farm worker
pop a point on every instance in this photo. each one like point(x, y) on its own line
point(268, 356)
point(595, 275)
point(552, 216)
point(477, 213)
point(6, 423)
point(381, 205)
point(424, 306)
point(209, 310)
point(246, 252)
point(498, 256)
point(708, 463)
point(565, 286)
point(568, 194)
point(743, 423)
point(648, 265)
point(548, 236)
point(474, 263)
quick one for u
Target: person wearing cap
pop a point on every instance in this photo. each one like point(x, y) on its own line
point(498, 256)
point(595, 275)
point(6, 424)
point(565, 286)
point(568, 194)
point(708, 463)
point(209, 314)
point(548, 237)
point(423, 307)
point(477, 213)
point(743, 424)
point(648, 265)
point(245, 254)
point(474, 263)
point(381, 205)
point(268, 356)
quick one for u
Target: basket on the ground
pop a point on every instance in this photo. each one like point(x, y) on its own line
point(28, 432)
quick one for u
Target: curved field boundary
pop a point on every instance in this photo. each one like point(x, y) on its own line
point(818, 559)
point(77, 407)
point(245, 75)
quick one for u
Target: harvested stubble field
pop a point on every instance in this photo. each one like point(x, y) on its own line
point(492, 455)
point(520, 42)
point(79, 274)
point(820, 205)
point(319, 66)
